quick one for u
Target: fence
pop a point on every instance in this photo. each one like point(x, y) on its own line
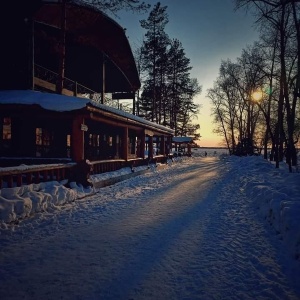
point(10, 177)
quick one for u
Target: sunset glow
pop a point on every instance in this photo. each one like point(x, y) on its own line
point(257, 96)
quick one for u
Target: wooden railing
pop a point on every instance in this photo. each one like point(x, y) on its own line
point(10, 177)
point(103, 166)
point(47, 79)
point(13, 178)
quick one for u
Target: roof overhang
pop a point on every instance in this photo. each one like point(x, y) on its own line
point(72, 105)
point(182, 139)
point(87, 27)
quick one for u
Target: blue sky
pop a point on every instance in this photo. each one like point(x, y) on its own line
point(209, 32)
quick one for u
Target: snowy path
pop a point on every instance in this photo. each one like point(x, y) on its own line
point(181, 233)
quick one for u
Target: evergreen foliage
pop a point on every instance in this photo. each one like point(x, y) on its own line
point(168, 90)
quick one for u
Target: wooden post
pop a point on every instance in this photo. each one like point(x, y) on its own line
point(75, 89)
point(133, 104)
point(150, 146)
point(62, 48)
point(31, 54)
point(29, 178)
point(143, 145)
point(57, 175)
point(117, 145)
point(103, 79)
point(10, 181)
point(162, 145)
point(189, 149)
point(37, 177)
point(169, 143)
point(77, 139)
point(45, 175)
point(19, 179)
point(125, 143)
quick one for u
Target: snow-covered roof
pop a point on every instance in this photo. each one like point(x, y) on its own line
point(47, 101)
point(63, 103)
point(182, 139)
point(130, 116)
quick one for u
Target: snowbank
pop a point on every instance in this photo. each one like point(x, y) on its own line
point(276, 196)
point(21, 202)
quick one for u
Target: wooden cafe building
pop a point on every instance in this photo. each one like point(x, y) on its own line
point(60, 62)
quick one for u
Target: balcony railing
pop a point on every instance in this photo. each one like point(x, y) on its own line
point(47, 79)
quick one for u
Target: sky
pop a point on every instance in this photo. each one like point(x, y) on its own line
point(215, 227)
point(210, 31)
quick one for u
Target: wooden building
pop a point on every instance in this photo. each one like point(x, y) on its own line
point(40, 126)
point(48, 126)
point(182, 144)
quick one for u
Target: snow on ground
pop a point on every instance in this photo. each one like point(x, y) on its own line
point(22, 202)
point(275, 194)
point(191, 230)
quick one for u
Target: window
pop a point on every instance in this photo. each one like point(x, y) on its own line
point(6, 135)
point(43, 141)
point(110, 141)
point(6, 132)
point(132, 143)
point(68, 145)
point(93, 149)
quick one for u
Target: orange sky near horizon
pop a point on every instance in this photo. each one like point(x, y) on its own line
point(207, 125)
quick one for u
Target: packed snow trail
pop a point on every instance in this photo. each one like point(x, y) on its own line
point(185, 233)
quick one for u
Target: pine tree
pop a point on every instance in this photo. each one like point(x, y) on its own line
point(179, 78)
point(154, 51)
point(168, 90)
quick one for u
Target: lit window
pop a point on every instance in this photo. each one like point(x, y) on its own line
point(43, 141)
point(68, 140)
point(68, 145)
point(39, 136)
point(6, 133)
point(110, 141)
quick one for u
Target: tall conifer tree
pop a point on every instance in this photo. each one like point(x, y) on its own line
point(168, 91)
point(154, 50)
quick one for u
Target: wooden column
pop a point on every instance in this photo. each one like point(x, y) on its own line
point(189, 149)
point(116, 145)
point(143, 145)
point(103, 80)
point(162, 145)
point(31, 54)
point(133, 104)
point(169, 143)
point(62, 48)
point(77, 139)
point(150, 147)
point(125, 143)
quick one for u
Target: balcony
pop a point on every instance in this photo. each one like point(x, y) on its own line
point(45, 79)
